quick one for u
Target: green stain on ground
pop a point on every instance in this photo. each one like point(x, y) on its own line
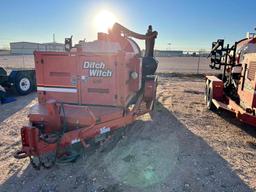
point(143, 163)
point(149, 173)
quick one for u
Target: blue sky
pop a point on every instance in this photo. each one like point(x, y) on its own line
point(186, 24)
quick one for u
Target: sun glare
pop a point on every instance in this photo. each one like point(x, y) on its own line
point(104, 20)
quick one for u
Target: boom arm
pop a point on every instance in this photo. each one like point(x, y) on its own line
point(149, 37)
point(117, 28)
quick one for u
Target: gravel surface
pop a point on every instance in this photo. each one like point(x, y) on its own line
point(183, 148)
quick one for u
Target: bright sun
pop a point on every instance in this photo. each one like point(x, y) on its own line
point(104, 20)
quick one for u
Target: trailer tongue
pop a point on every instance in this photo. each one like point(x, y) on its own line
point(91, 89)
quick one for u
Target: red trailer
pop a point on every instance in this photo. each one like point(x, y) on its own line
point(235, 89)
point(88, 91)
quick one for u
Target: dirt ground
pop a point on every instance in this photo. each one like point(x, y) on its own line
point(183, 148)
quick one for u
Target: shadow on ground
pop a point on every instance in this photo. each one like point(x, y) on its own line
point(231, 118)
point(159, 155)
point(6, 110)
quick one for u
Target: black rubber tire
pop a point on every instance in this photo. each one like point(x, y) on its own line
point(153, 110)
point(209, 97)
point(149, 66)
point(206, 90)
point(23, 84)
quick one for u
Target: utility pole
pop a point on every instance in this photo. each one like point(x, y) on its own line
point(198, 62)
point(169, 44)
point(53, 37)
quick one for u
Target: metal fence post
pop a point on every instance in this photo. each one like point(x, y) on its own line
point(198, 62)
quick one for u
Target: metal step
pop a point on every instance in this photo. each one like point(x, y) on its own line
point(221, 105)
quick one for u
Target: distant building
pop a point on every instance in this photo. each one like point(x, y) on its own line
point(201, 53)
point(59, 47)
point(168, 53)
point(27, 48)
point(4, 52)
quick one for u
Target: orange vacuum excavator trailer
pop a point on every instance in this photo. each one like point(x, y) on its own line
point(235, 89)
point(88, 91)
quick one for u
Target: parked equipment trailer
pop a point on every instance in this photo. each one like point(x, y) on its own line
point(235, 89)
point(88, 91)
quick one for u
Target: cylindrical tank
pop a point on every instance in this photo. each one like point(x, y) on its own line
point(245, 46)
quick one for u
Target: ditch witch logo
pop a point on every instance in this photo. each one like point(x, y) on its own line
point(97, 69)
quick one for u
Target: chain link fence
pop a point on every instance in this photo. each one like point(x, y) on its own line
point(192, 62)
point(195, 62)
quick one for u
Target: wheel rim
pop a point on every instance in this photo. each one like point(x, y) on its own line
point(24, 84)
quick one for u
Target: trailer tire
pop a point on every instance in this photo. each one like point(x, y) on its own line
point(209, 97)
point(206, 90)
point(23, 83)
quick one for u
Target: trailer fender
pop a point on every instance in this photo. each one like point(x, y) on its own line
point(217, 86)
point(213, 90)
point(11, 78)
